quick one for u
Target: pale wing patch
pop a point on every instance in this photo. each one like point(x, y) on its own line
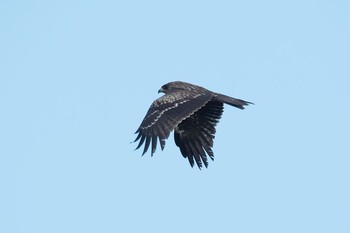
point(160, 113)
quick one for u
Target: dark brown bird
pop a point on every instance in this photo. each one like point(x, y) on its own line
point(193, 112)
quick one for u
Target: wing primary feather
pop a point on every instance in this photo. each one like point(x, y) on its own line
point(196, 156)
point(141, 142)
point(154, 144)
point(155, 130)
point(206, 138)
point(187, 153)
point(201, 153)
point(180, 144)
point(138, 136)
point(190, 160)
point(162, 143)
point(148, 140)
point(161, 130)
point(209, 151)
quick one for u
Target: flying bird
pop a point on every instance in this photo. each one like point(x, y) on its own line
point(192, 112)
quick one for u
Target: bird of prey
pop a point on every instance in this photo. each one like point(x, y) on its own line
point(192, 112)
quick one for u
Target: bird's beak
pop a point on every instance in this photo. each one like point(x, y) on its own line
point(160, 90)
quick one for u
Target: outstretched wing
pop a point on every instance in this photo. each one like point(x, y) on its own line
point(165, 114)
point(194, 136)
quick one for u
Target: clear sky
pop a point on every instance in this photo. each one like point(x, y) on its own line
point(77, 78)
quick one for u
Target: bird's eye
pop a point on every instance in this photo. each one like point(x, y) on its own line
point(165, 87)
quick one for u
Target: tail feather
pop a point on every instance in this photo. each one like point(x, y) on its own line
point(238, 103)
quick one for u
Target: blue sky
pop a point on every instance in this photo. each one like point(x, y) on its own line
point(77, 77)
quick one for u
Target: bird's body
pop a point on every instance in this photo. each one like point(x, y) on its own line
point(192, 112)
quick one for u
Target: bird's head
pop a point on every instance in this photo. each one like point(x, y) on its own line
point(173, 86)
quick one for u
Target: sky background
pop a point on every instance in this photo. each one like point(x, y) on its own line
point(77, 78)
